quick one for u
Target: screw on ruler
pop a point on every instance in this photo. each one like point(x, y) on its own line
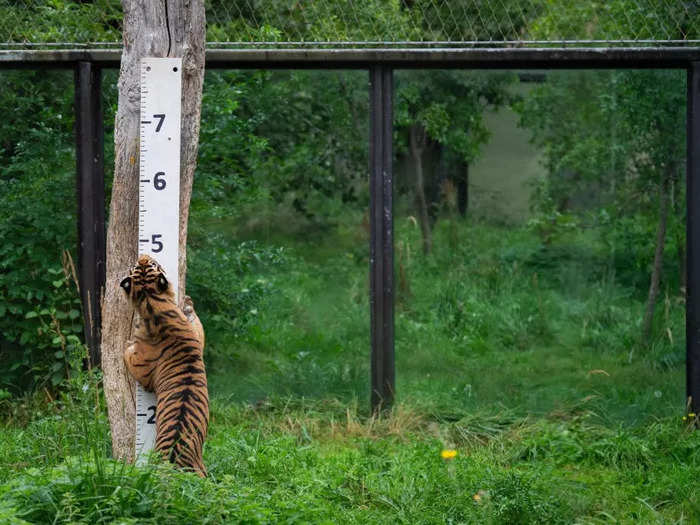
point(159, 197)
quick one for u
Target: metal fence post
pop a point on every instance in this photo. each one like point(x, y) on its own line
point(692, 315)
point(381, 237)
point(89, 135)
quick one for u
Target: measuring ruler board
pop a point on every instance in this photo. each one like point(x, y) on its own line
point(159, 197)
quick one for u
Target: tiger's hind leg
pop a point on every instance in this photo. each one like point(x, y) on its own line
point(184, 453)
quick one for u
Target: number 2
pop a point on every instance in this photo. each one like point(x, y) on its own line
point(152, 420)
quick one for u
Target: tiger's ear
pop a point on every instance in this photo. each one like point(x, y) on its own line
point(162, 283)
point(126, 285)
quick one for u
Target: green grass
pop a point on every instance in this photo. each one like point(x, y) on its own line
point(525, 359)
point(320, 461)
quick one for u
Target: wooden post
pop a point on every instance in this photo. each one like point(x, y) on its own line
point(172, 28)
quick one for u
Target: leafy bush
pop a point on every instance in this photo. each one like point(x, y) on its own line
point(40, 321)
point(60, 21)
point(222, 281)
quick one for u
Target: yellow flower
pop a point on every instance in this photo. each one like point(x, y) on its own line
point(692, 414)
point(448, 454)
point(477, 497)
point(684, 418)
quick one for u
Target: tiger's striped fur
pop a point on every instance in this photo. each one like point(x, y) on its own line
point(166, 357)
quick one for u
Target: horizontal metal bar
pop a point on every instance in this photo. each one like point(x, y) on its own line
point(498, 58)
point(324, 44)
point(66, 45)
point(513, 58)
point(457, 44)
point(58, 58)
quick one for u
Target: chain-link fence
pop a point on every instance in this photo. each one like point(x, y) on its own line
point(373, 23)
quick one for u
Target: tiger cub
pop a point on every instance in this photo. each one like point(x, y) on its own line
point(166, 357)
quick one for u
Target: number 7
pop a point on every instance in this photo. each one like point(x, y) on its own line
point(161, 118)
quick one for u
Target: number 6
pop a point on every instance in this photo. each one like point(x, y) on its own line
point(159, 183)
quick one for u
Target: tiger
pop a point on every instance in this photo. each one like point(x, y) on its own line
point(165, 357)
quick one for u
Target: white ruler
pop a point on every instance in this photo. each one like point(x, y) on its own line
point(159, 197)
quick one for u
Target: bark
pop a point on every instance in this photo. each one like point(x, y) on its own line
point(417, 139)
point(171, 28)
point(677, 209)
point(658, 256)
point(683, 272)
point(463, 191)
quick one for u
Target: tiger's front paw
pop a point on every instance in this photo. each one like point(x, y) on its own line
point(193, 318)
point(188, 306)
point(129, 351)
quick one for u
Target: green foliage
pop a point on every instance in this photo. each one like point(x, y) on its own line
point(225, 280)
point(60, 21)
point(548, 221)
point(515, 500)
point(616, 131)
point(466, 20)
point(503, 301)
point(250, 149)
point(615, 20)
point(59, 335)
point(371, 21)
point(40, 311)
point(303, 319)
point(574, 118)
point(449, 105)
point(282, 20)
point(229, 148)
point(328, 111)
point(40, 320)
point(615, 141)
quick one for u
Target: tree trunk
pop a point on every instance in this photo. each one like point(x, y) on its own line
point(463, 190)
point(173, 28)
point(658, 255)
point(417, 139)
point(682, 270)
point(677, 209)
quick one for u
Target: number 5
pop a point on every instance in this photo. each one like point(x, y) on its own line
point(156, 242)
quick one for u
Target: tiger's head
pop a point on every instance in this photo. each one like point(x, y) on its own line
point(146, 279)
